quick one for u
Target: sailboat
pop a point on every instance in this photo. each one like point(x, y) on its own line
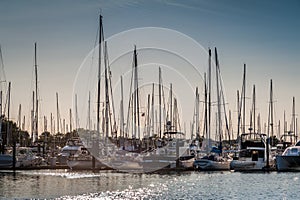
point(215, 159)
point(6, 160)
point(290, 158)
point(254, 152)
point(87, 156)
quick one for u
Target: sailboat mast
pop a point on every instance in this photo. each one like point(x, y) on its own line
point(171, 105)
point(36, 94)
point(218, 97)
point(209, 98)
point(89, 112)
point(76, 114)
point(57, 112)
point(101, 38)
point(159, 99)
point(205, 109)
point(148, 117)
point(106, 92)
point(19, 121)
point(244, 99)
point(71, 120)
point(238, 104)
point(271, 109)
point(254, 108)
point(122, 111)
point(294, 120)
point(270, 121)
point(152, 111)
point(136, 92)
point(8, 113)
point(197, 114)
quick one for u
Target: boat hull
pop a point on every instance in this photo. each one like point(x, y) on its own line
point(288, 163)
point(84, 164)
point(237, 165)
point(126, 165)
point(187, 164)
point(6, 161)
point(211, 165)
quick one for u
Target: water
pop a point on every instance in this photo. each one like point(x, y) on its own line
point(64, 184)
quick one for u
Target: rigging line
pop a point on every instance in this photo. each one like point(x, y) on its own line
point(163, 97)
point(92, 59)
point(223, 99)
point(111, 93)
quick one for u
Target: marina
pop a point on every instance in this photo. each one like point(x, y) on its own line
point(125, 107)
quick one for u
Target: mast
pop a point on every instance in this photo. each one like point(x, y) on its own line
point(171, 105)
point(284, 123)
point(36, 94)
point(23, 124)
point(271, 109)
point(152, 111)
point(254, 108)
point(32, 118)
point(206, 113)
point(148, 117)
point(89, 112)
point(57, 112)
point(238, 113)
point(209, 99)
point(101, 39)
point(45, 123)
point(76, 114)
point(270, 121)
point(70, 120)
point(159, 99)
point(64, 126)
point(244, 99)
point(197, 114)
point(294, 121)
point(122, 111)
point(8, 115)
point(219, 128)
point(175, 116)
point(51, 123)
point(106, 92)
point(136, 92)
point(19, 122)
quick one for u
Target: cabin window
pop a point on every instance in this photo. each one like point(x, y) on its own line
point(294, 151)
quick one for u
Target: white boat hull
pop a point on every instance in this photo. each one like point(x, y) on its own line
point(84, 164)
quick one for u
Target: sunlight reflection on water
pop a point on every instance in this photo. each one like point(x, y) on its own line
point(64, 184)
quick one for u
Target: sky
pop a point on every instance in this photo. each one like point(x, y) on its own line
point(262, 34)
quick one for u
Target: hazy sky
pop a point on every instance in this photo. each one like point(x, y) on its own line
point(262, 34)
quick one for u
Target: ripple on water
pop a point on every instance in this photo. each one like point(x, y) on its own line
point(62, 184)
